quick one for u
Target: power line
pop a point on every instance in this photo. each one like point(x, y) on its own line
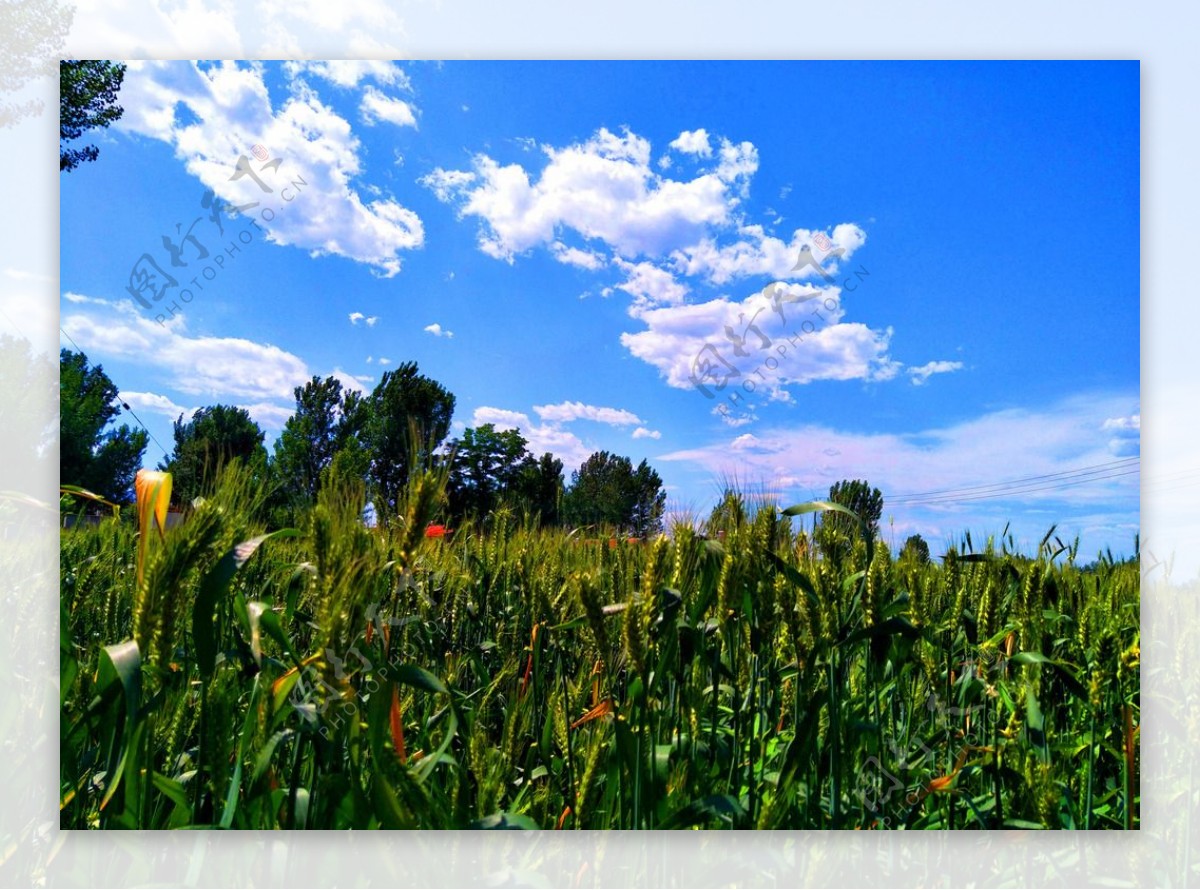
point(1064, 478)
point(124, 404)
point(1062, 473)
point(1026, 489)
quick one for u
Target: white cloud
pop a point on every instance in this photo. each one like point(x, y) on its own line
point(72, 297)
point(356, 317)
point(269, 416)
point(227, 368)
point(693, 142)
point(923, 373)
point(256, 376)
point(738, 163)
point(377, 106)
point(602, 189)
point(994, 447)
point(438, 331)
point(349, 382)
point(384, 361)
point(649, 285)
point(573, 256)
point(348, 72)
point(566, 412)
point(757, 253)
point(699, 343)
point(1126, 435)
point(156, 404)
point(730, 419)
point(228, 110)
point(551, 434)
point(445, 184)
point(1132, 422)
point(547, 437)
point(500, 418)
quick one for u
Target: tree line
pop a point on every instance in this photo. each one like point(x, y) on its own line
point(377, 437)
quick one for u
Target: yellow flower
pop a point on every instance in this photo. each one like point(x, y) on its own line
point(153, 489)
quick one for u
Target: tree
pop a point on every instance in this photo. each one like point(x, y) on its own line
point(487, 465)
point(607, 489)
point(408, 416)
point(540, 487)
point(856, 495)
point(327, 420)
point(837, 532)
point(91, 455)
point(916, 548)
point(203, 445)
point(87, 100)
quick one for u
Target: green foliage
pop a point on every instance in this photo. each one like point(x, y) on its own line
point(492, 467)
point(486, 466)
point(407, 415)
point(347, 677)
point(916, 549)
point(608, 490)
point(836, 531)
point(205, 444)
point(539, 487)
point(94, 454)
point(87, 100)
point(327, 422)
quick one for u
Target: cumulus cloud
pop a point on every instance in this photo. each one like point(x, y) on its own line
point(356, 317)
point(348, 72)
point(540, 438)
point(215, 367)
point(574, 256)
point(693, 142)
point(351, 382)
point(649, 285)
point(1133, 422)
point(756, 253)
point(212, 114)
point(267, 415)
point(438, 331)
point(155, 404)
point(924, 372)
point(376, 106)
point(259, 377)
point(566, 412)
point(730, 419)
point(1126, 435)
point(721, 344)
point(602, 189)
point(551, 433)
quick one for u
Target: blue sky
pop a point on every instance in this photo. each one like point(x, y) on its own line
point(563, 245)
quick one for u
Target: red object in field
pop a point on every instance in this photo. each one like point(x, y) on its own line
point(436, 531)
